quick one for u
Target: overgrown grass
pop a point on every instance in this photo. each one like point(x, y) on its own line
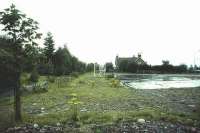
point(102, 101)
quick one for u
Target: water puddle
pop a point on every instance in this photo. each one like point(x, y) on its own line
point(159, 81)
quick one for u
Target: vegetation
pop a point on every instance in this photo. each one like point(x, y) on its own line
point(166, 67)
point(64, 93)
point(109, 67)
point(74, 103)
point(103, 103)
point(34, 76)
point(22, 31)
point(20, 53)
point(49, 48)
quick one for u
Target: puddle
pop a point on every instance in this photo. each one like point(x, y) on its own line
point(159, 81)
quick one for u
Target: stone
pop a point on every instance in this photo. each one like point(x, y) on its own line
point(193, 129)
point(192, 106)
point(58, 124)
point(142, 121)
point(83, 110)
point(35, 125)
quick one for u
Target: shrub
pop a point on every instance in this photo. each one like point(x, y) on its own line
point(51, 79)
point(42, 87)
point(24, 79)
point(81, 82)
point(92, 84)
point(74, 101)
point(115, 83)
point(75, 74)
point(34, 76)
point(109, 76)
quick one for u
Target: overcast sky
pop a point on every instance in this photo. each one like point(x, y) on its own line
point(98, 30)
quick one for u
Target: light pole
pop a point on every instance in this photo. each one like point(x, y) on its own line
point(195, 53)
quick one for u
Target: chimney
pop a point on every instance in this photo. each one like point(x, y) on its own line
point(139, 55)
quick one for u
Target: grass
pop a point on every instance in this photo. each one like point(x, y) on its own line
point(103, 102)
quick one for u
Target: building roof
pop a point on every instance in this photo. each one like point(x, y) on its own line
point(138, 60)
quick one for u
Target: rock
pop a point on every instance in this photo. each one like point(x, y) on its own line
point(192, 106)
point(193, 130)
point(42, 108)
point(34, 104)
point(83, 110)
point(35, 126)
point(182, 101)
point(142, 121)
point(17, 128)
point(58, 124)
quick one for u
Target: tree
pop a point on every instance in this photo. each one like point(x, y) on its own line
point(165, 62)
point(63, 61)
point(22, 32)
point(7, 69)
point(109, 67)
point(49, 47)
point(90, 67)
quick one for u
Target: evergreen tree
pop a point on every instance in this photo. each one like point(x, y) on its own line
point(49, 47)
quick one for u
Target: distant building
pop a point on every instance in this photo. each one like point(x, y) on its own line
point(137, 60)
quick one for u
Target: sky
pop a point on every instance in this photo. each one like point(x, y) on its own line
point(98, 30)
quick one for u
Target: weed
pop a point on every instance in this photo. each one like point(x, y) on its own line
point(74, 101)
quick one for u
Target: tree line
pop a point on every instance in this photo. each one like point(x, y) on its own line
point(165, 67)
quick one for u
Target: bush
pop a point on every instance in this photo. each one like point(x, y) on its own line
point(24, 79)
point(74, 101)
point(34, 76)
point(75, 74)
point(51, 79)
point(109, 76)
point(115, 83)
point(43, 87)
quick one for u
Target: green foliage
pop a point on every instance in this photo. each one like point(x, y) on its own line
point(62, 81)
point(74, 74)
point(135, 106)
point(92, 83)
point(109, 67)
point(22, 31)
point(74, 101)
point(38, 88)
point(49, 48)
point(62, 61)
point(115, 83)
point(51, 79)
point(7, 64)
point(24, 78)
point(34, 76)
point(109, 76)
point(90, 67)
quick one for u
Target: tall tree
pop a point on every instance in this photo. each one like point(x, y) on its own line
point(63, 61)
point(23, 31)
point(49, 47)
point(109, 67)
